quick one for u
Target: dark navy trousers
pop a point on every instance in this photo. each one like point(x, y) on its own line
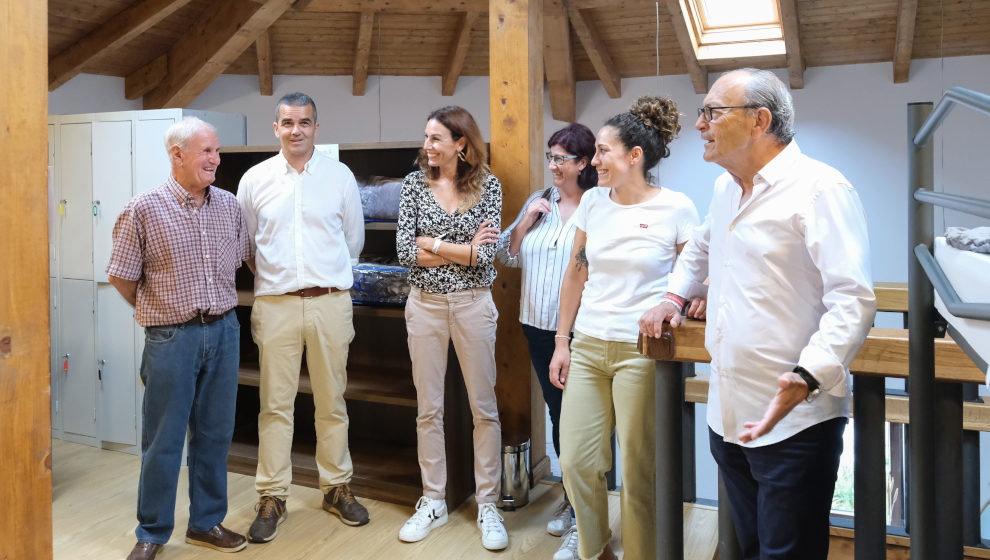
point(781, 494)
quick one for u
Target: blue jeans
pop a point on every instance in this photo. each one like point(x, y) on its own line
point(781, 494)
point(541, 346)
point(190, 379)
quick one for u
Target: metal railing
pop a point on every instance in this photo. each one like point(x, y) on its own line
point(938, 528)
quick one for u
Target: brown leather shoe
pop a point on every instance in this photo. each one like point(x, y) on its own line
point(144, 551)
point(341, 502)
point(217, 538)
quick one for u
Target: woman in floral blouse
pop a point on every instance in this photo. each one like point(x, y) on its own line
point(449, 218)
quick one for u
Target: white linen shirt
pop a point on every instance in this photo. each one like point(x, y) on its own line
point(543, 256)
point(790, 284)
point(307, 228)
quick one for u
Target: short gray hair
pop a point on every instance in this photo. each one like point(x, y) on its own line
point(295, 99)
point(180, 132)
point(764, 89)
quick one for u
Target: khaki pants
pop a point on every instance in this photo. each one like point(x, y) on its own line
point(282, 326)
point(610, 385)
point(468, 318)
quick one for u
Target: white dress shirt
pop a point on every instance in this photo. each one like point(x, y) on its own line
point(790, 285)
point(307, 228)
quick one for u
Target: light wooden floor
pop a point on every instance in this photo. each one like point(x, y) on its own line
point(95, 492)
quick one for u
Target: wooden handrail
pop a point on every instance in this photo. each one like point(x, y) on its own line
point(976, 416)
point(891, 296)
point(885, 353)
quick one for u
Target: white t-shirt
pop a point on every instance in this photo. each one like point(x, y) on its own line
point(630, 251)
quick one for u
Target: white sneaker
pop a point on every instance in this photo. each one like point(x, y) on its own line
point(493, 535)
point(568, 548)
point(429, 515)
point(561, 520)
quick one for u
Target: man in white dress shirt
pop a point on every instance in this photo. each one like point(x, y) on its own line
point(304, 218)
point(790, 303)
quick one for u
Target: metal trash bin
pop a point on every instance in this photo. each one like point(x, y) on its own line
point(515, 476)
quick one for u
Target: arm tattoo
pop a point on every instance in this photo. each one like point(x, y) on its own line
point(580, 259)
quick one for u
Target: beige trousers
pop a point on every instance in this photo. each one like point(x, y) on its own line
point(468, 318)
point(282, 326)
point(610, 385)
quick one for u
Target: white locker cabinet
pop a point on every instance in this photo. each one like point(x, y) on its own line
point(117, 371)
point(77, 360)
point(112, 176)
point(54, 364)
point(75, 204)
point(150, 139)
point(97, 163)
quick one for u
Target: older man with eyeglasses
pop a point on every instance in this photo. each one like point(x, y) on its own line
point(790, 303)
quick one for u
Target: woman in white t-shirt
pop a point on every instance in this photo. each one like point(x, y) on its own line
point(628, 234)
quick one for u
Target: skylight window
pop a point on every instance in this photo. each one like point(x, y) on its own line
point(725, 29)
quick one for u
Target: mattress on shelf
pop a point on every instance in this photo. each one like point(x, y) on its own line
point(969, 274)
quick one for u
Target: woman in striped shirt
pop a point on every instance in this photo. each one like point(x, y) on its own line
point(540, 242)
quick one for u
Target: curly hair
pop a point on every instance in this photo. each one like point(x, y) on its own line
point(473, 168)
point(652, 124)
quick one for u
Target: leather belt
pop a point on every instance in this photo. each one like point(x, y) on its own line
point(313, 292)
point(204, 319)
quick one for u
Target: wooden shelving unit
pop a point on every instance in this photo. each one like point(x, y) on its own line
point(381, 397)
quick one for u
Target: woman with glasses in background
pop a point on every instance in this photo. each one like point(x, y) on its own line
point(540, 242)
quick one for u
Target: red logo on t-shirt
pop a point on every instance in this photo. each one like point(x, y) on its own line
point(644, 226)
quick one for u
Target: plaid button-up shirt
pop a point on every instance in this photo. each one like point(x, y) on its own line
point(182, 257)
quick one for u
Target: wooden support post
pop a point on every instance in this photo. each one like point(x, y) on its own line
point(25, 447)
point(516, 108)
point(263, 49)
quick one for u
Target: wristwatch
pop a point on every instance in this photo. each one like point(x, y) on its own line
point(814, 387)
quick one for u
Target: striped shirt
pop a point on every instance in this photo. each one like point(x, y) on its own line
point(543, 257)
point(183, 258)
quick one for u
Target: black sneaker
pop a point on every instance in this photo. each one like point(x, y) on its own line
point(271, 514)
point(340, 501)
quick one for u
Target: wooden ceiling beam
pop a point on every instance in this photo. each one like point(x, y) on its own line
point(907, 15)
point(116, 32)
point(558, 60)
point(458, 52)
point(792, 42)
point(263, 49)
point(438, 6)
point(362, 52)
point(203, 53)
point(689, 47)
point(595, 48)
point(146, 78)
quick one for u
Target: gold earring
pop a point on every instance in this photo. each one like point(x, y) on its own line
point(460, 156)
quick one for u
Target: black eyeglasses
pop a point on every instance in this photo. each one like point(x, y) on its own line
point(558, 159)
point(707, 111)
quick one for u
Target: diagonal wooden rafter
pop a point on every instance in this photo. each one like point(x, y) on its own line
point(907, 15)
point(458, 51)
point(203, 53)
point(263, 49)
point(595, 47)
point(146, 78)
point(792, 42)
point(558, 60)
point(362, 52)
point(116, 32)
point(688, 44)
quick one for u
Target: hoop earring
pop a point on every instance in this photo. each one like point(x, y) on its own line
point(460, 156)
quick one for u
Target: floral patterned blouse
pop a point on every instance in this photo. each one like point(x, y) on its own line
point(421, 215)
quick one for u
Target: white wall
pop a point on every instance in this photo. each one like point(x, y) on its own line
point(852, 117)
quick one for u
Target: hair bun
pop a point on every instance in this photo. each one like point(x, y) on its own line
point(659, 114)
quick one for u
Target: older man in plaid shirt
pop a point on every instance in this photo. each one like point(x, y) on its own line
point(175, 250)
